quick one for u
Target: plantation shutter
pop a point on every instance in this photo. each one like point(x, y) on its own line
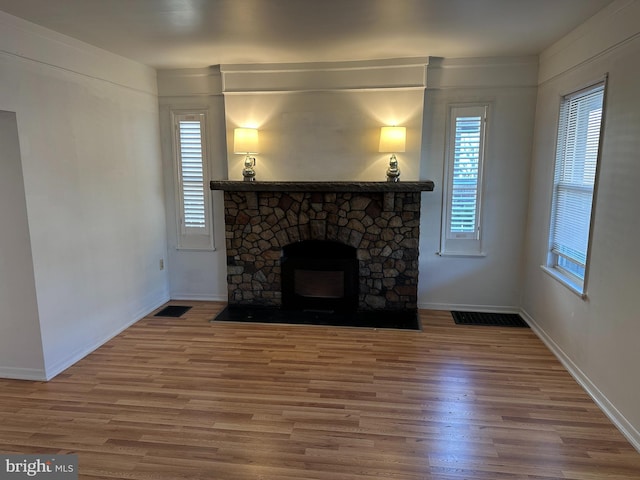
point(191, 159)
point(464, 189)
point(466, 149)
point(575, 173)
point(193, 199)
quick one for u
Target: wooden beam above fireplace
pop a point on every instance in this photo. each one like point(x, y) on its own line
point(341, 186)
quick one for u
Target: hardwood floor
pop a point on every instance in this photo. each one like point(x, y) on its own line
point(188, 399)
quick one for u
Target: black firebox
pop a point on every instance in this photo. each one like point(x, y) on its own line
point(319, 275)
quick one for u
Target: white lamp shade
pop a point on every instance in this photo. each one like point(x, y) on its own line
point(245, 140)
point(392, 139)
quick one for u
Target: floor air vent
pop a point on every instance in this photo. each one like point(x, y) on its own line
point(489, 319)
point(173, 311)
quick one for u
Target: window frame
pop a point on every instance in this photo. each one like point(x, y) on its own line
point(192, 238)
point(463, 243)
point(553, 262)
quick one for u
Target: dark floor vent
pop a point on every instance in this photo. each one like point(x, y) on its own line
point(173, 311)
point(489, 319)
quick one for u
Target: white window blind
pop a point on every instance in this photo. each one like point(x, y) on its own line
point(465, 157)
point(193, 197)
point(574, 181)
point(465, 177)
point(191, 173)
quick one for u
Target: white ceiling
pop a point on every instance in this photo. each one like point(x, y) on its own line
point(198, 33)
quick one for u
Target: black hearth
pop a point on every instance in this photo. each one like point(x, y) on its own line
point(319, 276)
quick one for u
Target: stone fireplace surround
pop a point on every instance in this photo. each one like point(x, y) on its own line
point(380, 219)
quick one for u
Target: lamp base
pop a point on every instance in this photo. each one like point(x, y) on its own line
point(393, 172)
point(248, 173)
point(393, 178)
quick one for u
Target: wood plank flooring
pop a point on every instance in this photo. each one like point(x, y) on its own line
point(187, 399)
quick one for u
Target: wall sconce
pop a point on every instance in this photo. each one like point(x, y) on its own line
point(245, 142)
point(392, 140)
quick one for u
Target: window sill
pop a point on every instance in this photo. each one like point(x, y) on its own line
point(196, 249)
point(566, 281)
point(461, 254)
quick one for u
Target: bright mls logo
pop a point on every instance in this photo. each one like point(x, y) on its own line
point(51, 467)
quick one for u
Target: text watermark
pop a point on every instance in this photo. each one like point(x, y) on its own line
point(51, 467)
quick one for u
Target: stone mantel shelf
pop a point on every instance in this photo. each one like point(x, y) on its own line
point(327, 186)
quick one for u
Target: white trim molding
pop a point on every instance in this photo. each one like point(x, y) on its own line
point(608, 408)
point(409, 73)
point(26, 40)
point(62, 364)
point(612, 26)
point(196, 297)
point(460, 307)
point(16, 373)
point(482, 72)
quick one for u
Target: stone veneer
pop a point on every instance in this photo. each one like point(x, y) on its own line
point(381, 221)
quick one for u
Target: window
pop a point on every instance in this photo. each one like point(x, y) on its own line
point(193, 199)
point(463, 180)
point(577, 152)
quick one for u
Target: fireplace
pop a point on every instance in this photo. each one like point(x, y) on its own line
point(332, 246)
point(319, 275)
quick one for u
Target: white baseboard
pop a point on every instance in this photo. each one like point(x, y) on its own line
point(65, 363)
point(182, 297)
point(619, 420)
point(469, 308)
point(17, 373)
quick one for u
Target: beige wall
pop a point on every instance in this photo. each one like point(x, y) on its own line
point(322, 122)
point(20, 343)
point(596, 337)
point(90, 156)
